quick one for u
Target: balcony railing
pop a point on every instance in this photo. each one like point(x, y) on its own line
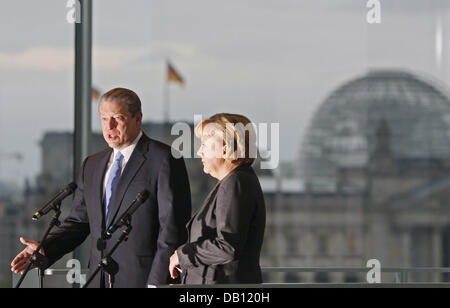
point(401, 274)
point(57, 277)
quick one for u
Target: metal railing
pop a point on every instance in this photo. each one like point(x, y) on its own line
point(401, 275)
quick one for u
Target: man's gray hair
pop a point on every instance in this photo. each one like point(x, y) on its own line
point(126, 96)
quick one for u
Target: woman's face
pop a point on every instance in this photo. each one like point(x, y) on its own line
point(211, 153)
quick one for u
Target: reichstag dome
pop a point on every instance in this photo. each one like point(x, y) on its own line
point(343, 130)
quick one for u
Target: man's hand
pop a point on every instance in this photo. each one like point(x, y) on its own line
point(20, 262)
point(174, 265)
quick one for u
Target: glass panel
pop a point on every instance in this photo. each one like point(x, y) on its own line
point(36, 118)
point(359, 90)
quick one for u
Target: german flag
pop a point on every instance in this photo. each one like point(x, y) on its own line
point(172, 75)
point(95, 94)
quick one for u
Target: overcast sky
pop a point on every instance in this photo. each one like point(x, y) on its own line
point(274, 61)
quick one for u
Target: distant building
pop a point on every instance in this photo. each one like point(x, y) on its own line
point(8, 230)
point(342, 132)
point(374, 183)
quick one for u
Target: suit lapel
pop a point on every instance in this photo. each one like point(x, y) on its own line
point(133, 165)
point(204, 204)
point(212, 194)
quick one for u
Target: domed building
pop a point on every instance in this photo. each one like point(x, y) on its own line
point(375, 164)
point(343, 131)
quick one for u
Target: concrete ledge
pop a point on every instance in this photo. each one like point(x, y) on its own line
point(312, 285)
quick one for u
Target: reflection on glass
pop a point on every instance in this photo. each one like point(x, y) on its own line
point(364, 113)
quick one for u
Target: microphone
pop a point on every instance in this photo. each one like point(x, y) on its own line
point(67, 191)
point(140, 198)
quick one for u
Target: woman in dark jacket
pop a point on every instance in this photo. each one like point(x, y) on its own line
point(226, 234)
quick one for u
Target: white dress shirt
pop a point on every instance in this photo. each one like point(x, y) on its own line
point(126, 152)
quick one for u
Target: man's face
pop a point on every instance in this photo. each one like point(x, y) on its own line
point(118, 126)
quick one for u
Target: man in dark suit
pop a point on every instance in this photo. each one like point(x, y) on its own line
point(109, 181)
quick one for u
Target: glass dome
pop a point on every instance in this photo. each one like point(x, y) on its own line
point(343, 130)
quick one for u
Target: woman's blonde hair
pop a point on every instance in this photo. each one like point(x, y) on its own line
point(236, 132)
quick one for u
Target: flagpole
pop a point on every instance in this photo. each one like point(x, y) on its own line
point(166, 107)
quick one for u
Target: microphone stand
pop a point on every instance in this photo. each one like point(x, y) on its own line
point(107, 264)
point(36, 258)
